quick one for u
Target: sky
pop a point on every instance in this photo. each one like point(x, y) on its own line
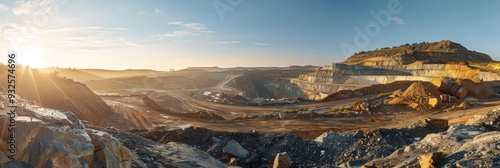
point(175, 34)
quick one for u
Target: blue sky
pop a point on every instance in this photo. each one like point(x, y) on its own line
point(181, 33)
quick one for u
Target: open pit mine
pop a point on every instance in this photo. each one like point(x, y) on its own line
point(425, 104)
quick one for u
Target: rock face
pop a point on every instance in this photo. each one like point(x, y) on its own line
point(418, 96)
point(417, 62)
point(490, 120)
point(50, 138)
point(108, 150)
point(282, 160)
point(430, 160)
point(433, 52)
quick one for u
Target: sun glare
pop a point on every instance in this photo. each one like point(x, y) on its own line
point(31, 56)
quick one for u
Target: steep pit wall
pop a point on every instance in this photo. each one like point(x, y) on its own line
point(268, 84)
point(284, 88)
point(328, 80)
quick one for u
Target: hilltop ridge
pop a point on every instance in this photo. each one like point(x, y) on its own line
point(433, 52)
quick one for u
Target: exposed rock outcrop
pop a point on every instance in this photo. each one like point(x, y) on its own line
point(234, 148)
point(282, 160)
point(52, 91)
point(52, 138)
point(417, 62)
point(108, 151)
point(49, 138)
point(430, 160)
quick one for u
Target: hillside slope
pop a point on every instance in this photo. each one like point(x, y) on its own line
point(434, 52)
point(50, 91)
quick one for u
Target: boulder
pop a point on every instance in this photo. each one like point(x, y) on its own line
point(235, 149)
point(282, 160)
point(359, 134)
point(36, 134)
point(282, 115)
point(182, 155)
point(108, 150)
point(430, 160)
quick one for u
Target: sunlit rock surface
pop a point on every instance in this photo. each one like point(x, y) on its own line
point(53, 138)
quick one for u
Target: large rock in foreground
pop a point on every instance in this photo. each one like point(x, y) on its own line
point(51, 138)
point(460, 145)
point(108, 150)
point(234, 148)
point(147, 153)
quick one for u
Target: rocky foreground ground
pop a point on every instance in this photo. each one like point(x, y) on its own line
point(52, 138)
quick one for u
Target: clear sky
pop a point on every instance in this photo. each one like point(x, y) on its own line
point(164, 34)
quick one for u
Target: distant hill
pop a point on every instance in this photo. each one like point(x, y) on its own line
point(98, 74)
point(435, 52)
point(218, 69)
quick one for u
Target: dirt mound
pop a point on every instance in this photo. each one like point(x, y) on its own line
point(419, 95)
point(150, 103)
point(418, 91)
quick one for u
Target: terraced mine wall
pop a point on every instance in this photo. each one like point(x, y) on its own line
point(284, 88)
point(267, 84)
point(331, 79)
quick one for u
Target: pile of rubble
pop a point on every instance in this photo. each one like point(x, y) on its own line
point(52, 138)
point(476, 145)
point(421, 96)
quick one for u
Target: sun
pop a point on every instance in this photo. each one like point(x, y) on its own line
point(31, 56)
